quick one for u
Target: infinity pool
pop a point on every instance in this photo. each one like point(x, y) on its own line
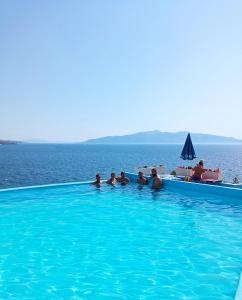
point(79, 242)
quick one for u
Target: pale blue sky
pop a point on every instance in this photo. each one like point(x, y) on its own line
point(72, 70)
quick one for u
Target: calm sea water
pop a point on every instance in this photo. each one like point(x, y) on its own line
point(31, 164)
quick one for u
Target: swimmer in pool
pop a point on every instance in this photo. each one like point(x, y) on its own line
point(112, 179)
point(98, 181)
point(157, 182)
point(123, 179)
point(141, 179)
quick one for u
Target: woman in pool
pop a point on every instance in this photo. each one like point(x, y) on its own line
point(123, 179)
point(157, 182)
point(141, 179)
point(112, 179)
point(198, 171)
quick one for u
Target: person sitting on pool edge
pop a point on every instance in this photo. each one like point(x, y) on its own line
point(112, 179)
point(141, 179)
point(98, 181)
point(123, 179)
point(198, 171)
point(157, 182)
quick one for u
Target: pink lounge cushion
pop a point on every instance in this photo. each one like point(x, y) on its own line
point(209, 180)
point(213, 175)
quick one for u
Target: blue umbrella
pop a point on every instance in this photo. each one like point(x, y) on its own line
point(188, 152)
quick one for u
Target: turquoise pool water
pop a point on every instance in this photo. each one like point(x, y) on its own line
point(79, 242)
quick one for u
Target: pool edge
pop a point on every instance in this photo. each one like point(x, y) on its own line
point(44, 186)
point(238, 295)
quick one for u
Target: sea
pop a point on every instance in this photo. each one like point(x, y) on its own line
point(34, 164)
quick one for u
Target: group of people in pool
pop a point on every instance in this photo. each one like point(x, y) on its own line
point(156, 181)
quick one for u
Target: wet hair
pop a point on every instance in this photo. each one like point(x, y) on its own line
point(122, 173)
point(201, 163)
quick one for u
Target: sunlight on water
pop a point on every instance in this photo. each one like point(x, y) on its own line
point(79, 242)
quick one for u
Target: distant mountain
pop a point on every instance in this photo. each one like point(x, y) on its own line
point(158, 137)
point(7, 142)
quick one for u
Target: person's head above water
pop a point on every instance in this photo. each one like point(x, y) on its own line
point(153, 172)
point(200, 163)
point(98, 177)
point(113, 175)
point(122, 178)
point(97, 182)
point(141, 174)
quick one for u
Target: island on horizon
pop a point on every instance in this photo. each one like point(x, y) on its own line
point(158, 137)
point(146, 137)
point(8, 142)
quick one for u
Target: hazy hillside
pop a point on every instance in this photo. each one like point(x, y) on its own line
point(6, 142)
point(157, 137)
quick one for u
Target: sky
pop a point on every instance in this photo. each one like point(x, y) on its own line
point(74, 70)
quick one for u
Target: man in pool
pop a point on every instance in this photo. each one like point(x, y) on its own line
point(157, 182)
point(112, 179)
point(123, 179)
point(98, 181)
point(141, 179)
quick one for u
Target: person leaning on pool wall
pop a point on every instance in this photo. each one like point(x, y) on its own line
point(122, 179)
point(112, 180)
point(157, 181)
point(98, 180)
point(141, 179)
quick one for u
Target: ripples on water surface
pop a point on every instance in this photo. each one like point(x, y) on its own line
point(22, 165)
point(79, 242)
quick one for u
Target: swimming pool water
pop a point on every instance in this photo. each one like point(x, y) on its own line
point(79, 242)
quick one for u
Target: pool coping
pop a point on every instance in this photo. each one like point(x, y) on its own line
point(44, 186)
point(221, 190)
point(166, 178)
point(238, 295)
